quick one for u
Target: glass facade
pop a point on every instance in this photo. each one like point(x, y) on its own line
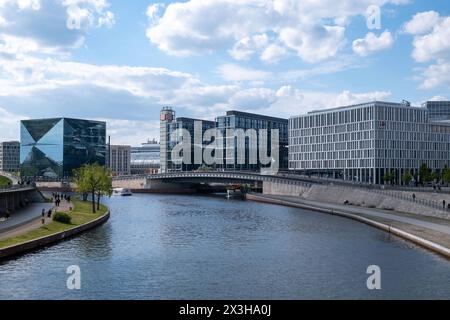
point(235, 120)
point(438, 110)
point(185, 124)
point(53, 148)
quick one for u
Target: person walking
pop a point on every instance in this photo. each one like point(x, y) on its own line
point(49, 213)
point(43, 213)
point(414, 196)
point(443, 204)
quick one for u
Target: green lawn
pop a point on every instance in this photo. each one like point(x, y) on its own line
point(81, 214)
point(4, 181)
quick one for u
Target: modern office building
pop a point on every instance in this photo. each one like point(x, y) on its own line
point(119, 159)
point(438, 110)
point(362, 142)
point(234, 120)
point(146, 158)
point(171, 135)
point(54, 147)
point(10, 156)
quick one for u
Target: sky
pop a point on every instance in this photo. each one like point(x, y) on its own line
point(122, 61)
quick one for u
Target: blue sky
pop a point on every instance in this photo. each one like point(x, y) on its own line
point(121, 61)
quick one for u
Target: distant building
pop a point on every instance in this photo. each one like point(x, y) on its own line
point(234, 120)
point(146, 158)
point(10, 156)
point(119, 160)
point(363, 142)
point(170, 136)
point(53, 148)
point(438, 110)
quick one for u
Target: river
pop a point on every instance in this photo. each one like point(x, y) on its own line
point(207, 247)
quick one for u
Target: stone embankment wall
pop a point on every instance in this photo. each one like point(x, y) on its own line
point(358, 197)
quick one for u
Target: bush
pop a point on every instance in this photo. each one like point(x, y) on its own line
point(62, 217)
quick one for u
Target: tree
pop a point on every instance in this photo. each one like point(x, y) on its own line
point(425, 173)
point(387, 178)
point(93, 179)
point(105, 185)
point(446, 175)
point(407, 177)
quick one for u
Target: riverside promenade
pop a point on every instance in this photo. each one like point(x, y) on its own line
point(430, 232)
point(30, 219)
point(23, 217)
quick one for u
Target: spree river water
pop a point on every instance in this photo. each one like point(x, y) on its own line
point(207, 247)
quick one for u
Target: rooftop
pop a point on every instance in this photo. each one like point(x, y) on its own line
point(253, 115)
point(404, 104)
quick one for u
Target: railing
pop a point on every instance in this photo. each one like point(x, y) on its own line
point(250, 176)
point(17, 187)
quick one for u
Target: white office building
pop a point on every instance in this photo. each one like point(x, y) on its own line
point(120, 160)
point(362, 142)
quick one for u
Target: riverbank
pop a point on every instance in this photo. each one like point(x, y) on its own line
point(82, 220)
point(431, 233)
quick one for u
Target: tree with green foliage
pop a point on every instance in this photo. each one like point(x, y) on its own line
point(435, 176)
point(446, 175)
point(105, 185)
point(407, 177)
point(388, 177)
point(93, 179)
point(425, 174)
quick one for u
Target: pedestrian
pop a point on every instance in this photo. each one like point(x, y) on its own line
point(43, 220)
point(49, 213)
point(414, 196)
point(443, 204)
point(43, 213)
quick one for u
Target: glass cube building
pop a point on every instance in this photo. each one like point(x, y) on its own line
point(53, 148)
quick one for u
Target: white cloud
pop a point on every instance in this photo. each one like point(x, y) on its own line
point(235, 73)
point(371, 43)
point(273, 53)
point(431, 44)
point(292, 101)
point(9, 122)
point(131, 132)
point(58, 25)
point(253, 98)
point(314, 43)
point(436, 75)
point(246, 47)
point(315, 30)
point(422, 22)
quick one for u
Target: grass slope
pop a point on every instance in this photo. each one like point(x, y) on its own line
point(81, 214)
point(4, 181)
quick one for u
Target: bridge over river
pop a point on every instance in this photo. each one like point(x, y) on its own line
point(188, 180)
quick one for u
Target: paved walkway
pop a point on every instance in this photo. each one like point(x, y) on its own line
point(441, 226)
point(29, 219)
point(25, 215)
point(436, 230)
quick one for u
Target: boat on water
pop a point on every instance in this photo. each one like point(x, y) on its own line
point(122, 192)
point(235, 194)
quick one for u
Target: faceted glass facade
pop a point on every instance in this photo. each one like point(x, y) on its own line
point(55, 147)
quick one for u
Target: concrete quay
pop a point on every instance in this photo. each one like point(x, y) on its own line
point(429, 232)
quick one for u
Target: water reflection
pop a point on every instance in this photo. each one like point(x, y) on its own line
point(191, 247)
